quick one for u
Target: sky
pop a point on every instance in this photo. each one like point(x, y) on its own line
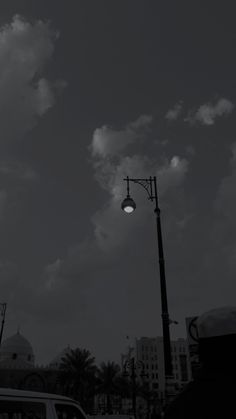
point(92, 92)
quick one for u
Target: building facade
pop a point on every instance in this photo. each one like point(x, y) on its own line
point(18, 369)
point(150, 353)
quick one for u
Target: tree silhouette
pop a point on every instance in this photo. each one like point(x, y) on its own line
point(108, 375)
point(150, 396)
point(78, 376)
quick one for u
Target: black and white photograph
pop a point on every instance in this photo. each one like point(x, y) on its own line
point(117, 209)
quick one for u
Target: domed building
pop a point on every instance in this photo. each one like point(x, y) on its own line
point(16, 353)
point(18, 370)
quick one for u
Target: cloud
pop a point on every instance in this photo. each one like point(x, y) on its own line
point(172, 173)
point(112, 165)
point(25, 48)
point(109, 142)
point(105, 278)
point(141, 123)
point(175, 112)
point(25, 95)
point(207, 113)
point(113, 231)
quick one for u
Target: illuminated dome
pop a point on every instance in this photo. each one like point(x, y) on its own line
point(16, 352)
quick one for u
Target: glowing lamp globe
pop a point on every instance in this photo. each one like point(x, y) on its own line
point(128, 205)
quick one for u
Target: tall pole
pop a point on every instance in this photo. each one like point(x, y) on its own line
point(3, 313)
point(164, 303)
point(150, 185)
point(132, 366)
point(133, 379)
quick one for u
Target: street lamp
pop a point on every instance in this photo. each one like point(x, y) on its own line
point(132, 366)
point(128, 205)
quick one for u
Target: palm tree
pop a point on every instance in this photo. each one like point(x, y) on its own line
point(150, 396)
point(108, 374)
point(78, 375)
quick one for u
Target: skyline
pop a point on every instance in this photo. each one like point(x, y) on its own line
point(90, 93)
point(127, 351)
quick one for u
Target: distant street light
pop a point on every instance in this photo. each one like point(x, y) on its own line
point(128, 205)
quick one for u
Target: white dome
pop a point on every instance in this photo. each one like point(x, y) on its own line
point(17, 350)
point(217, 322)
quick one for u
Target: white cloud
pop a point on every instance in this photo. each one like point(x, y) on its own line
point(207, 113)
point(45, 96)
point(24, 96)
point(87, 265)
point(172, 173)
point(142, 122)
point(113, 165)
point(109, 142)
point(175, 112)
point(111, 229)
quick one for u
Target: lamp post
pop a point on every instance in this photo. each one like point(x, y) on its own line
point(3, 313)
point(132, 366)
point(128, 205)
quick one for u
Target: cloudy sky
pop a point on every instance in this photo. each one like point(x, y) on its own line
point(90, 92)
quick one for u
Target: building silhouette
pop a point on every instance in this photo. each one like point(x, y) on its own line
point(19, 370)
point(150, 352)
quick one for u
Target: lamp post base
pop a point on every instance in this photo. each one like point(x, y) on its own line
point(170, 389)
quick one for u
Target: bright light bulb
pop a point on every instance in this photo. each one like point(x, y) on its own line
point(128, 209)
